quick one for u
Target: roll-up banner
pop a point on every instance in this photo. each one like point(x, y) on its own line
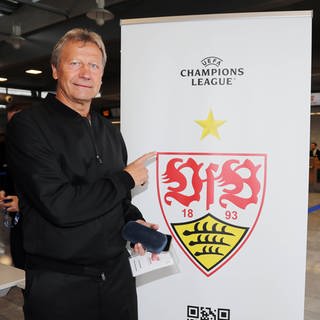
point(225, 102)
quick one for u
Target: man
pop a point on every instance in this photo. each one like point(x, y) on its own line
point(314, 151)
point(69, 165)
point(8, 199)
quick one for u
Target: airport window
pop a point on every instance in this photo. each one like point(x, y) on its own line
point(17, 92)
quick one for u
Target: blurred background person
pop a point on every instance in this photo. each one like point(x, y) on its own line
point(314, 151)
point(9, 202)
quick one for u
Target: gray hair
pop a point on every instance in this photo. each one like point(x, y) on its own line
point(78, 34)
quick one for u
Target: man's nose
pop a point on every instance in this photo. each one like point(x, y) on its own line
point(85, 71)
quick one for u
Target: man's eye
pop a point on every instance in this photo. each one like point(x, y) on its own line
point(94, 66)
point(75, 63)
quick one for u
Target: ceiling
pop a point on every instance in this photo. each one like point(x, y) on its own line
point(44, 22)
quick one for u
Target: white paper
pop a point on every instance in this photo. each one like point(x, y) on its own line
point(143, 264)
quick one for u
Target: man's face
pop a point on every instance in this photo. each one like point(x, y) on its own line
point(78, 73)
point(313, 146)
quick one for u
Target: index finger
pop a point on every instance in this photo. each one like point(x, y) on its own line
point(147, 156)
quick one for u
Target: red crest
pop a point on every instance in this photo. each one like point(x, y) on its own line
point(211, 202)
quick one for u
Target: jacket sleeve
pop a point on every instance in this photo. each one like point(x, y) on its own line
point(39, 177)
point(131, 212)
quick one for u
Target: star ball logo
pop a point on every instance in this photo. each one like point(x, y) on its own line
point(212, 73)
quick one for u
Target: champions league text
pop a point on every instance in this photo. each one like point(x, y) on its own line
point(212, 76)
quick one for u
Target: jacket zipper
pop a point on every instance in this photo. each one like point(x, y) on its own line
point(97, 155)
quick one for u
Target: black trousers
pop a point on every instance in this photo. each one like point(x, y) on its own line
point(52, 295)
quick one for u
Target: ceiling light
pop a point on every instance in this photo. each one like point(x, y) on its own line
point(15, 38)
point(3, 79)
point(33, 71)
point(99, 14)
point(16, 42)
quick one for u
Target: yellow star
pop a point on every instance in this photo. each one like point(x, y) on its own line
point(210, 126)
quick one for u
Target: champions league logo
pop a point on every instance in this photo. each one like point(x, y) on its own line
point(211, 202)
point(212, 73)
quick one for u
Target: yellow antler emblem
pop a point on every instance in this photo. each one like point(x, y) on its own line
point(209, 240)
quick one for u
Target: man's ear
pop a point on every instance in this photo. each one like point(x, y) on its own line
point(54, 72)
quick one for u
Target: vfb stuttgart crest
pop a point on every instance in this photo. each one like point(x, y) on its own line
point(211, 202)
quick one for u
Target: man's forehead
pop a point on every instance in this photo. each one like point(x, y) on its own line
point(78, 44)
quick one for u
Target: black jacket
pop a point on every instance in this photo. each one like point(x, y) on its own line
point(70, 180)
point(315, 154)
point(6, 182)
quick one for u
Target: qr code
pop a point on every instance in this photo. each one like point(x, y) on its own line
point(207, 313)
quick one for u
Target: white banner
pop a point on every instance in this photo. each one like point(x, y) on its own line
point(225, 101)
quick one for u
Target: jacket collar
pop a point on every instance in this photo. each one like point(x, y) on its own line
point(53, 102)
